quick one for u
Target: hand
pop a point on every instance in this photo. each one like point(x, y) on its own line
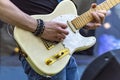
point(98, 18)
point(54, 31)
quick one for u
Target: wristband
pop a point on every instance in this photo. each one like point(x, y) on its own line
point(40, 27)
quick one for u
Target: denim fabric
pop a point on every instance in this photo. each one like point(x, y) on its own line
point(70, 72)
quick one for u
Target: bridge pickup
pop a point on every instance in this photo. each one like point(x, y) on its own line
point(57, 56)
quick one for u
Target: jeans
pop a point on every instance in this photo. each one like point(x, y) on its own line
point(70, 72)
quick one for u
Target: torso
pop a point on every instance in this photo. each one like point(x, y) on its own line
point(32, 7)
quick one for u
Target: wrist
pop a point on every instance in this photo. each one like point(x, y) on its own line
point(40, 28)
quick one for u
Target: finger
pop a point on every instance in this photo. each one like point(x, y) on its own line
point(62, 31)
point(58, 39)
point(97, 24)
point(93, 5)
point(102, 14)
point(61, 36)
point(92, 25)
point(102, 17)
point(96, 17)
point(102, 11)
point(89, 26)
point(64, 26)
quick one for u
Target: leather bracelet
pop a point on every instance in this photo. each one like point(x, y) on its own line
point(40, 27)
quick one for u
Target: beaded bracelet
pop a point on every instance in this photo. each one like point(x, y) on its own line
point(40, 27)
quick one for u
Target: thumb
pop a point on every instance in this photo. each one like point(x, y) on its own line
point(93, 5)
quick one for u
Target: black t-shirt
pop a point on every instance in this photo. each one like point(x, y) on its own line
point(32, 7)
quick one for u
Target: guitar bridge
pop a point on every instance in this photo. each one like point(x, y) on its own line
point(48, 44)
point(52, 59)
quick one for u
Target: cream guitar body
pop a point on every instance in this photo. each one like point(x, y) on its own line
point(48, 58)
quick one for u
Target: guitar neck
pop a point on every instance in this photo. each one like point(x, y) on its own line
point(86, 17)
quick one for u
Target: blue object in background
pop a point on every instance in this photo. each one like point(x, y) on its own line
point(107, 43)
point(12, 73)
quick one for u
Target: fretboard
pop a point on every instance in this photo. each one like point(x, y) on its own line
point(86, 17)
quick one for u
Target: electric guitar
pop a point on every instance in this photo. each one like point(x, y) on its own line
point(49, 58)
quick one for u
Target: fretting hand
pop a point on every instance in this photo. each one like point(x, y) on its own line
point(98, 18)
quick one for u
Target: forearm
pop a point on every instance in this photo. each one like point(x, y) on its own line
point(11, 14)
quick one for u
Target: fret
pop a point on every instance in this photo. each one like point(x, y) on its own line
point(105, 6)
point(75, 22)
point(101, 6)
point(98, 8)
point(108, 4)
point(83, 19)
point(117, 1)
point(79, 21)
point(112, 3)
point(86, 17)
point(89, 16)
point(88, 13)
